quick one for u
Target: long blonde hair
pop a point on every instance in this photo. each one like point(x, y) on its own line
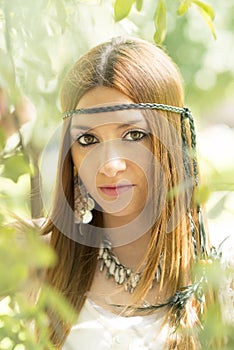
point(145, 73)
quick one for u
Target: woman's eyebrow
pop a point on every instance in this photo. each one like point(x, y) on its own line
point(89, 127)
point(81, 127)
point(131, 122)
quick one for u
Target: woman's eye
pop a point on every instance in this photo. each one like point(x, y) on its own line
point(134, 135)
point(87, 139)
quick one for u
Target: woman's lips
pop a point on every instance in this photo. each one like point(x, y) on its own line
point(115, 190)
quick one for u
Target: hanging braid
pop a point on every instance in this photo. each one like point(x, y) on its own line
point(186, 114)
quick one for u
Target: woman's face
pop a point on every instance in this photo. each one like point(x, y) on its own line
point(112, 153)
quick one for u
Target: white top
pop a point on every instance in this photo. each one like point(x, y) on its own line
point(100, 329)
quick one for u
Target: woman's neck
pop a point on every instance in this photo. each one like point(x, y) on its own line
point(130, 251)
point(133, 254)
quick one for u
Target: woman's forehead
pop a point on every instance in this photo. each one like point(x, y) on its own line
point(121, 117)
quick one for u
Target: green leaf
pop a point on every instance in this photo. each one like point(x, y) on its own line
point(160, 22)
point(15, 166)
point(22, 253)
point(222, 180)
point(139, 4)
point(12, 277)
point(122, 9)
point(202, 194)
point(218, 207)
point(2, 139)
point(206, 7)
point(184, 6)
point(52, 299)
point(208, 21)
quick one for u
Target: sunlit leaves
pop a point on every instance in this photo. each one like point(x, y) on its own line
point(21, 253)
point(222, 180)
point(202, 194)
point(49, 299)
point(184, 6)
point(23, 256)
point(206, 7)
point(122, 9)
point(213, 329)
point(139, 4)
point(160, 22)
point(208, 17)
point(15, 166)
point(206, 11)
point(218, 207)
point(2, 139)
point(215, 333)
point(219, 181)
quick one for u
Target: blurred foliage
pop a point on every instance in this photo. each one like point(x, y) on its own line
point(23, 257)
point(215, 334)
point(38, 42)
point(122, 9)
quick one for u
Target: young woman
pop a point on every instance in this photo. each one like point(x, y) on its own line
point(124, 223)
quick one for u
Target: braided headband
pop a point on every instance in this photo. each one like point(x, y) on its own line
point(124, 106)
point(185, 113)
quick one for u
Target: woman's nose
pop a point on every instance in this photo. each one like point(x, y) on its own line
point(113, 166)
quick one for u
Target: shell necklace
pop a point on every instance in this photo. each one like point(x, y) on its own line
point(121, 274)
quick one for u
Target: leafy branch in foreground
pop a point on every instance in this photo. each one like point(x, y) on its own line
point(122, 8)
point(24, 256)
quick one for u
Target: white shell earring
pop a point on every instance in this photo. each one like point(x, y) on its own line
point(83, 204)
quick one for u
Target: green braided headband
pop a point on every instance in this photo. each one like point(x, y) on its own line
point(125, 106)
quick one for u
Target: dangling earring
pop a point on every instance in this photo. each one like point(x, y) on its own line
point(83, 204)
